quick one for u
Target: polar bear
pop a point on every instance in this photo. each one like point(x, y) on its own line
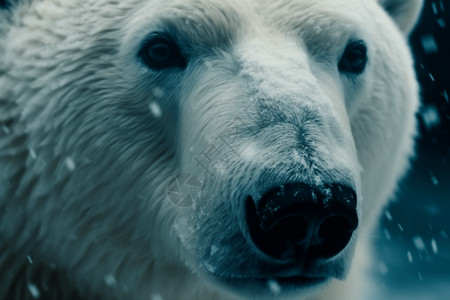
point(291, 120)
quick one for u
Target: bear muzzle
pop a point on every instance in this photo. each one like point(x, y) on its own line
point(300, 230)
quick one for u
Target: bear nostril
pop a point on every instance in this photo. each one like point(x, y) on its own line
point(335, 233)
point(334, 227)
point(294, 228)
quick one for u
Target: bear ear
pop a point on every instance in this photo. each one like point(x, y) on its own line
point(404, 12)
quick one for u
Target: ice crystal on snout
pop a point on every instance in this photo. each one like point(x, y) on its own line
point(210, 268)
point(318, 180)
point(214, 250)
point(299, 159)
point(328, 196)
point(314, 196)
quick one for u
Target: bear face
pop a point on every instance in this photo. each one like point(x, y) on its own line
point(295, 117)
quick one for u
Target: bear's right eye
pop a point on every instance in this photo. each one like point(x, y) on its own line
point(161, 52)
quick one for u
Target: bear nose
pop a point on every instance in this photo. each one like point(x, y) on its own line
point(298, 221)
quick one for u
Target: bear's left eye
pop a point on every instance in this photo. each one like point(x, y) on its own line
point(161, 52)
point(354, 59)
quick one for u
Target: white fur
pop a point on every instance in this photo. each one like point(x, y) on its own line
point(85, 161)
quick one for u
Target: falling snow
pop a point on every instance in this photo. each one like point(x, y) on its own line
point(156, 297)
point(158, 93)
point(250, 152)
point(435, 9)
point(34, 291)
point(6, 129)
point(441, 22)
point(110, 280)
point(29, 259)
point(445, 95)
point(433, 179)
point(431, 117)
point(70, 164)
point(434, 246)
point(429, 44)
point(32, 153)
point(274, 286)
point(410, 257)
point(431, 77)
point(383, 268)
point(388, 215)
point(155, 109)
point(418, 243)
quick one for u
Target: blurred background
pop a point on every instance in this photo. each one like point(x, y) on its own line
point(413, 240)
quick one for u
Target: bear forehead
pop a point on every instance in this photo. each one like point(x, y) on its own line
point(320, 23)
point(212, 22)
point(232, 10)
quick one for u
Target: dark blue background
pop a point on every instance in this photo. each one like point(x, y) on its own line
point(413, 241)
